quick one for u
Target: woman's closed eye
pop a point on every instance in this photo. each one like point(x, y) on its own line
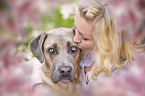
point(84, 38)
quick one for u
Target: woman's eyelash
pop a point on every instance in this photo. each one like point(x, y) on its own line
point(84, 38)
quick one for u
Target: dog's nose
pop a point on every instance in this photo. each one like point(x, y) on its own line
point(65, 70)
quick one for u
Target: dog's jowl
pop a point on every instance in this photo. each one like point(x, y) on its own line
point(59, 56)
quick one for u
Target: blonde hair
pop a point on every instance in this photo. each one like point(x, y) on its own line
point(111, 49)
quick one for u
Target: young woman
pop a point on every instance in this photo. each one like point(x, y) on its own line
point(103, 48)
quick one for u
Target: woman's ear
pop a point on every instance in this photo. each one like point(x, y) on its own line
point(36, 46)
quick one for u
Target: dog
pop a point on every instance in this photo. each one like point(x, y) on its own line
point(59, 56)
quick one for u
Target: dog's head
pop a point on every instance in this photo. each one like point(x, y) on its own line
point(59, 53)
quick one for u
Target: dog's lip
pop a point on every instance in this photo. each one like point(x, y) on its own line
point(65, 78)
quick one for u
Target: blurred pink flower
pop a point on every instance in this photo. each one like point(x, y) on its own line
point(129, 14)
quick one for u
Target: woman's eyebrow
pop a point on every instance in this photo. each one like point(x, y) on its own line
point(81, 33)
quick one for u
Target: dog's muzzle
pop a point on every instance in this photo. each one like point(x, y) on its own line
point(64, 74)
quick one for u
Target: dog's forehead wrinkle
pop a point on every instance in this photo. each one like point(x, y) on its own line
point(50, 41)
point(62, 40)
point(55, 45)
point(63, 48)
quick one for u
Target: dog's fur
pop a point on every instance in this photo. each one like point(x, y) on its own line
point(55, 49)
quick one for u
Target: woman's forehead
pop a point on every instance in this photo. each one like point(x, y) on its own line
point(83, 26)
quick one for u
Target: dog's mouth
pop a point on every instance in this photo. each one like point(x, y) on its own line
point(65, 79)
point(63, 74)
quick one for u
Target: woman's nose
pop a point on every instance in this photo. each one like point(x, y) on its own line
point(77, 38)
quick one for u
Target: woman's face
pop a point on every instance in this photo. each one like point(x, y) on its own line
point(83, 34)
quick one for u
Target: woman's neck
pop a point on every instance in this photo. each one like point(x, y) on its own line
point(85, 55)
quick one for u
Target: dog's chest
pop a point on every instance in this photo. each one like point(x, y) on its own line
point(67, 90)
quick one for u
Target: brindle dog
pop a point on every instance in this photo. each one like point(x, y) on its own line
point(59, 56)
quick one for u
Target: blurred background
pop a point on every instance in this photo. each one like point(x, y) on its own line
point(22, 20)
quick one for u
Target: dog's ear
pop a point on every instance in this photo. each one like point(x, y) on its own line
point(36, 46)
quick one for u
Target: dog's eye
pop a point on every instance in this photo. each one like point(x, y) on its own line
point(73, 48)
point(51, 50)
